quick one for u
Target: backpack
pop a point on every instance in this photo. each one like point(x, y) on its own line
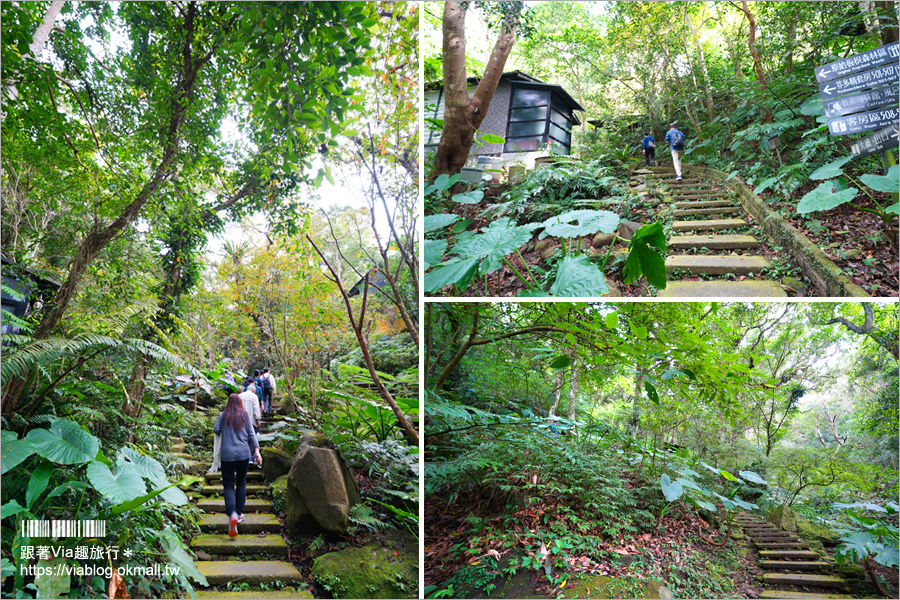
point(677, 140)
point(267, 382)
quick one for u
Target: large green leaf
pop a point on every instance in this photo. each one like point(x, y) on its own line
point(611, 320)
point(442, 183)
point(13, 451)
point(11, 508)
point(825, 197)
point(888, 557)
point(140, 500)
point(174, 548)
point(831, 170)
point(435, 222)
point(652, 394)
point(125, 485)
point(150, 469)
point(65, 443)
point(560, 362)
point(433, 252)
point(642, 260)
point(52, 581)
point(470, 197)
point(858, 543)
point(502, 237)
point(578, 223)
point(672, 490)
point(690, 484)
point(38, 483)
point(884, 183)
point(458, 273)
point(752, 477)
point(577, 276)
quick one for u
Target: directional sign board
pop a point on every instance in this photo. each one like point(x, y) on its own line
point(858, 62)
point(886, 139)
point(860, 81)
point(868, 100)
point(867, 121)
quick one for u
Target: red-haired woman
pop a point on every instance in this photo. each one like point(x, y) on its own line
point(238, 443)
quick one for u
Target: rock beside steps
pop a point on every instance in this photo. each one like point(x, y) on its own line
point(693, 197)
point(789, 564)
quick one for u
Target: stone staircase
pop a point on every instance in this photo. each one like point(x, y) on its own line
point(258, 556)
point(791, 568)
point(695, 197)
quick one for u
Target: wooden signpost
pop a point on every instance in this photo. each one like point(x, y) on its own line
point(858, 62)
point(866, 121)
point(860, 81)
point(868, 100)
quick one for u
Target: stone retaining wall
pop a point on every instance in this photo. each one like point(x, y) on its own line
point(826, 278)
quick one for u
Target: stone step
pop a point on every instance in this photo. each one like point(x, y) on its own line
point(710, 225)
point(695, 196)
point(181, 455)
point(775, 545)
point(178, 447)
point(217, 505)
point(176, 440)
point(717, 265)
point(254, 572)
point(756, 288)
point(724, 210)
point(772, 537)
point(253, 523)
point(253, 489)
point(798, 579)
point(251, 544)
point(793, 554)
point(703, 204)
point(251, 476)
point(253, 594)
point(798, 565)
point(731, 241)
point(799, 595)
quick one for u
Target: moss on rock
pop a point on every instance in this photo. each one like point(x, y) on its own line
point(385, 568)
point(812, 531)
point(619, 587)
point(278, 490)
point(276, 462)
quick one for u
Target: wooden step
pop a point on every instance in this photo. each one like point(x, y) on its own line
point(703, 204)
point(253, 523)
point(253, 489)
point(251, 476)
point(716, 265)
point(709, 225)
point(724, 210)
point(799, 565)
point(756, 288)
point(250, 544)
point(775, 545)
point(798, 579)
point(731, 241)
point(792, 554)
point(799, 595)
point(254, 572)
point(252, 505)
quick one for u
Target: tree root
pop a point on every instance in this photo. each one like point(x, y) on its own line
point(717, 544)
point(874, 578)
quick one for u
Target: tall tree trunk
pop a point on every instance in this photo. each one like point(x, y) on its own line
point(751, 44)
point(557, 392)
point(573, 387)
point(462, 114)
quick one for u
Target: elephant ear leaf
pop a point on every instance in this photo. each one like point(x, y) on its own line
point(672, 490)
point(65, 443)
point(125, 485)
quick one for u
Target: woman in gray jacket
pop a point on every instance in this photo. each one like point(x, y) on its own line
point(238, 443)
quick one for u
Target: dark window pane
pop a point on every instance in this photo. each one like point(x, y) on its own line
point(533, 113)
point(561, 135)
point(560, 120)
point(561, 106)
point(526, 129)
point(525, 97)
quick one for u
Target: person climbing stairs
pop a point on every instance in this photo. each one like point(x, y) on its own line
point(790, 567)
point(701, 212)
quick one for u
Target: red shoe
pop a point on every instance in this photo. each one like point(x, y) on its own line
point(232, 528)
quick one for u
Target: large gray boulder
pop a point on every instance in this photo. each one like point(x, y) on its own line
point(320, 489)
point(276, 462)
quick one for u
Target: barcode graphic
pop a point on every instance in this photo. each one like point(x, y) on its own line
point(64, 528)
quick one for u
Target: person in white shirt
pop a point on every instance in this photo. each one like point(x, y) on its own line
point(268, 381)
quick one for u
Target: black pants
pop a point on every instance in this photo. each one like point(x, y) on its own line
point(650, 153)
point(235, 498)
point(267, 399)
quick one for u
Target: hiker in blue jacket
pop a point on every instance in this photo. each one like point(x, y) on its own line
point(676, 145)
point(649, 148)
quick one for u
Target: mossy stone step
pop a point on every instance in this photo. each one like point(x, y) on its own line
point(731, 241)
point(709, 225)
point(217, 505)
point(799, 565)
point(793, 554)
point(181, 455)
point(252, 595)
point(723, 210)
point(798, 579)
point(221, 543)
point(254, 572)
point(772, 537)
point(799, 595)
point(178, 447)
point(775, 545)
point(252, 523)
point(756, 288)
point(253, 489)
point(695, 196)
point(251, 476)
point(176, 440)
point(717, 265)
point(703, 204)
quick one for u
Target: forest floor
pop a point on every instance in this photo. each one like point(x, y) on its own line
point(463, 548)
